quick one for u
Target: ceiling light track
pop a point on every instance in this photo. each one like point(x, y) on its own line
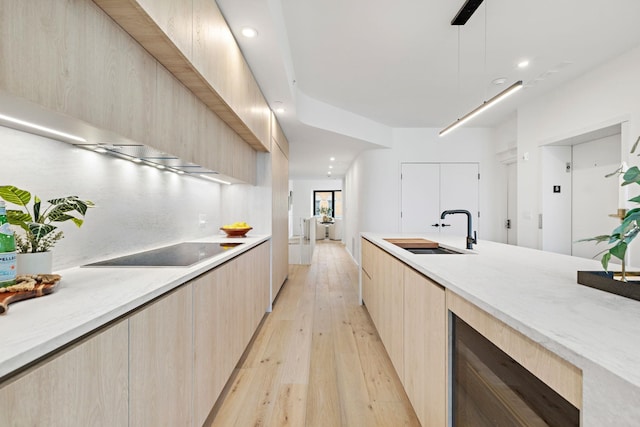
point(484, 106)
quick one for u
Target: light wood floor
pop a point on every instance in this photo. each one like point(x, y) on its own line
point(317, 359)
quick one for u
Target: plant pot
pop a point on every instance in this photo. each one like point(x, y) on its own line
point(605, 281)
point(35, 263)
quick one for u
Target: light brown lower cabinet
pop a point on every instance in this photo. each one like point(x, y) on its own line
point(229, 303)
point(161, 361)
point(412, 314)
point(383, 295)
point(85, 385)
point(425, 343)
point(164, 365)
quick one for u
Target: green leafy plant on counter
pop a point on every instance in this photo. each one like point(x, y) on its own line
point(326, 211)
point(40, 233)
point(629, 228)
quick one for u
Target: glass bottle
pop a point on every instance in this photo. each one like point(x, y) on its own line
point(7, 250)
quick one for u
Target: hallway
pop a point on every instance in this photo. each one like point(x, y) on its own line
point(317, 360)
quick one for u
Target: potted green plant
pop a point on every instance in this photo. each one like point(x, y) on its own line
point(326, 214)
point(619, 239)
point(38, 229)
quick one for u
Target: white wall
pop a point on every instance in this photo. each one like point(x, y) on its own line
point(303, 198)
point(603, 97)
point(373, 181)
point(250, 203)
point(138, 207)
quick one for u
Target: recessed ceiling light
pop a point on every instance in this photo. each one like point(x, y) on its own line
point(332, 159)
point(329, 173)
point(249, 32)
point(330, 166)
point(523, 64)
point(499, 81)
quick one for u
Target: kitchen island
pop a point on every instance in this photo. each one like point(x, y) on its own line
point(535, 294)
point(128, 339)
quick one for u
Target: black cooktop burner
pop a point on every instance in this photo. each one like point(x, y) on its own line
point(180, 255)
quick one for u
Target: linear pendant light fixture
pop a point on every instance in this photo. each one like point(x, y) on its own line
point(485, 105)
point(461, 18)
point(465, 12)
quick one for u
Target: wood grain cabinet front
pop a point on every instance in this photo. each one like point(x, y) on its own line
point(165, 364)
point(85, 385)
point(229, 303)
point(161, 361)
point(425, 344)
point(384, 297)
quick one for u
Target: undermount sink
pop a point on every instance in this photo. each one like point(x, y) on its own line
point(432, 251)
point(422, 246)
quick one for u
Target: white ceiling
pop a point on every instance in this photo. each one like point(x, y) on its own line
point(342, 66)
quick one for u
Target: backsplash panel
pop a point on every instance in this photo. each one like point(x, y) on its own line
point(137, 207)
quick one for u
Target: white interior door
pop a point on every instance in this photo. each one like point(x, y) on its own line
point(594, 196)
point(429, 188)
point(420, 193)
point(512, 217)
point(459, 185)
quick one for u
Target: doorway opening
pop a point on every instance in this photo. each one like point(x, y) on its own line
point(578, 201)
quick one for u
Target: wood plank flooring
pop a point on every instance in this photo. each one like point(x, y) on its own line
point(317, 360)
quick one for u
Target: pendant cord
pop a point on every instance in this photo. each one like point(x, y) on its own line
point(486, 5)
point(458, 95)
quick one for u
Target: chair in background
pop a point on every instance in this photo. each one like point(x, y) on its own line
point(335, 230)
point(321, 230)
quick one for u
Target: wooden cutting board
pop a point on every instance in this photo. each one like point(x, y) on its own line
point(40, 289)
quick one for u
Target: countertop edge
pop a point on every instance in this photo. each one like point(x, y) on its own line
point(563, 349)
point(28, 354)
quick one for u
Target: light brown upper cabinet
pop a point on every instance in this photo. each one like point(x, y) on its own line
point(175, 19)
point(209, 62)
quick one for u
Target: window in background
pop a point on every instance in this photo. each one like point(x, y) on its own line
point(327, 201)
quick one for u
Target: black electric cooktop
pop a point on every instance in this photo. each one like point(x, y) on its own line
point(180, 255)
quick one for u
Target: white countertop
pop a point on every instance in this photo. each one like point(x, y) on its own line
point(536, 293)
point(87, 298)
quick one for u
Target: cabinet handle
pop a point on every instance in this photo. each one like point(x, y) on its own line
point(435, 225)
point(446, 225)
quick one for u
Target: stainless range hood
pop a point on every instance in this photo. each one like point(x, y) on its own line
point(20, 114)
point(140, 153)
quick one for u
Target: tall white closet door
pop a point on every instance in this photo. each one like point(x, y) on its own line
point(459, 190)
point(429, 188)
point(420, 195)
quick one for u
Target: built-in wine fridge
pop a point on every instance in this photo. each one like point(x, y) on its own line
point(489, 388)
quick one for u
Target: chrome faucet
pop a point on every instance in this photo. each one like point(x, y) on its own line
point(471, 239)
